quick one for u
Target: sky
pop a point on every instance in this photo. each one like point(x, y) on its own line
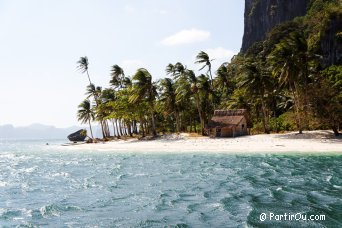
point(41, 41)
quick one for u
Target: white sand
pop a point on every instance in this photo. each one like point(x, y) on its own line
point(309, 142)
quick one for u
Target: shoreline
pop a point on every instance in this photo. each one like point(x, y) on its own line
point(314, 142)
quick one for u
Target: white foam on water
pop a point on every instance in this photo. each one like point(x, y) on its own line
point(3, 183)
point(328, 178)
point(60, 174)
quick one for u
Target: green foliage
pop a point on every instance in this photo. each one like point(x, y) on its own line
point(279, 81)
point(83, 132)
point(334, 76)
point(285, 122)
point(318, 19)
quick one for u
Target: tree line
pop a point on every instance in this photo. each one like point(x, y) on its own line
point(281, 82)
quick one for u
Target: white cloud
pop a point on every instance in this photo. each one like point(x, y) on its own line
point(186, 37)
point(130, 66)
point(220, 53)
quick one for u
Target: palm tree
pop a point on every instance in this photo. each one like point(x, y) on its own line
point(168, 98)
point(207, 97)
point(144, 90)
point(203, 58)
point(178, 71)
point(107, 97)
point(289, 61)
point(170, 69)
point(187, 87)
point(90, 90)
point(85, 114)
point(257, 82)
point(83, 64)
point(222, 77)
point(118, 76)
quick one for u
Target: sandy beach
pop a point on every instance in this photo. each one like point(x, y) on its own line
point(308, 142)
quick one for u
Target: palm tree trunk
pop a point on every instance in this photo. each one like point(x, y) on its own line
point(177, 121)
point(154, 132)
point(114, 134)
point(211, 77)
point(91, 130)
point(135, 127)
point(297, 108)
point(117, 127)
point(125, 127)
point(335, 130)
point(141, 128)
point(88, 77)
point(129, 126)
point(101, 121)
point(106, 128)
point(102, 128)
point(120, 127)
point(147, 127)
point(264, 116)
point(200, 115)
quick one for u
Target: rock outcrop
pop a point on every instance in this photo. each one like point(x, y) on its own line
point(331, 42)
point(78, 136)
point(262, 15)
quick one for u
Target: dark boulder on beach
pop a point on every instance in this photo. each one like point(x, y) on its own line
point(78, 136)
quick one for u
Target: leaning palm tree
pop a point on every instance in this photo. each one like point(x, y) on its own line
point(289, 63)
point(83, 64)
point(203, 58)
point(222, 78)
point(118, 76)
point(170, 69)
point(258, 83)
point(85, 114)
point(144, 90)
point(90, 90)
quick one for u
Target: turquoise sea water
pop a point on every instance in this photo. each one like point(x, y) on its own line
point(50, 186)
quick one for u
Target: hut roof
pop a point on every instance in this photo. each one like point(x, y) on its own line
point(231, 112)
point(227, 118)
point(225, 121)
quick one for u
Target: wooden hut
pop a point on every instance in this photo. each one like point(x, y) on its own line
point(229, 123)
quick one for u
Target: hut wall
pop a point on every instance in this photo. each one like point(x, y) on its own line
point(214, 132)
point(241, 128)
point(227, 132)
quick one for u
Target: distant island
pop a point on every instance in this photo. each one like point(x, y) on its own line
point(35, 131)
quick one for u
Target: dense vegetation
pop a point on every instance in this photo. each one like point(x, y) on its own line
point(282, 82)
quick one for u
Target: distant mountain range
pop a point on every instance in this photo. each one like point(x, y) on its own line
point(36, 131)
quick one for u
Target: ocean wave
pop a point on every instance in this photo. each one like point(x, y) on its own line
point(85, 189)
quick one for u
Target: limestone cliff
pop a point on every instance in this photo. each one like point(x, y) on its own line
point(262, 15)
point(331, 42)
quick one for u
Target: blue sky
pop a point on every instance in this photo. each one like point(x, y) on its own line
point(41, 41)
